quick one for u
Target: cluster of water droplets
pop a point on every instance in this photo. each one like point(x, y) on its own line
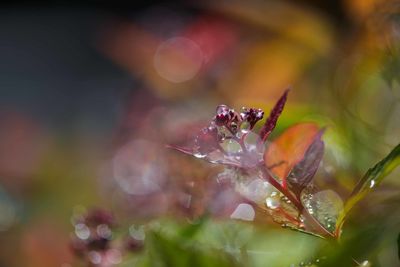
point(324, 205)
point(283, 211)
point(253, 187)
point(309, 263)
point(273, 201)
point(229, 138)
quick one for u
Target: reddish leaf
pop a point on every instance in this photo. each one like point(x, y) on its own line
point(303, 173)
point(270, 123)
point(289, 149)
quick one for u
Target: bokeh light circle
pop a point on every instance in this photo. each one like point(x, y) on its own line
point(178, 59)
point(138, 168)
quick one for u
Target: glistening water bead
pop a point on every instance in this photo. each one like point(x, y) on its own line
point(273, 201)
point(254, 188)
point(245, 127)
point(231, 146)
point(325, 206)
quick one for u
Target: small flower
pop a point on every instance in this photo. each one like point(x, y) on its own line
point(252, 115)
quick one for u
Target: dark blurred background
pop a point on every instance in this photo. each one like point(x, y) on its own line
point(91, 91)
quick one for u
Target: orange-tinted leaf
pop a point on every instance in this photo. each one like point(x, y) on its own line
point(289, 148)
point(303, 172)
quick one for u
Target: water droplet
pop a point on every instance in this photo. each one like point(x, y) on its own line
point(199, 155)
point(254, 144)
point(231, 146)
point(372, 184)
point(325, 206)
point(255, 190)
point(224, 133)
point(229, 174)
point(273, 201)
point(365, 264)
point(244, 212)
point(245, 127)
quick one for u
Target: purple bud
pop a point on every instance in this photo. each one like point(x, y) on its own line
point(252, 115)
point(222, 119)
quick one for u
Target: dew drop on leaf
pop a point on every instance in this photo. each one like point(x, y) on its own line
point(245, 127)
point(365, 264)
point(256, 190)
point(231, 146)
point(273, 201)
point(372, 184)
point(199, 155)
point(325, 206)
point(224, 133)
point(253, 143)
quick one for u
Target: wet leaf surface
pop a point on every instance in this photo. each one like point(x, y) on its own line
point(303, 173)
point(370, 180)
point(289, 148)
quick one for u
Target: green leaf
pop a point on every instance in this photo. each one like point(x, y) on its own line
point(305, 232)
point(370, 180)
point(359, 244)
point(192, 229)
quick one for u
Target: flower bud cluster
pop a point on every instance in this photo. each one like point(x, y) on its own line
point(226, 124)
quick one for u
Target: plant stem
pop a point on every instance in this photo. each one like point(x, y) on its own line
point(280, 188)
